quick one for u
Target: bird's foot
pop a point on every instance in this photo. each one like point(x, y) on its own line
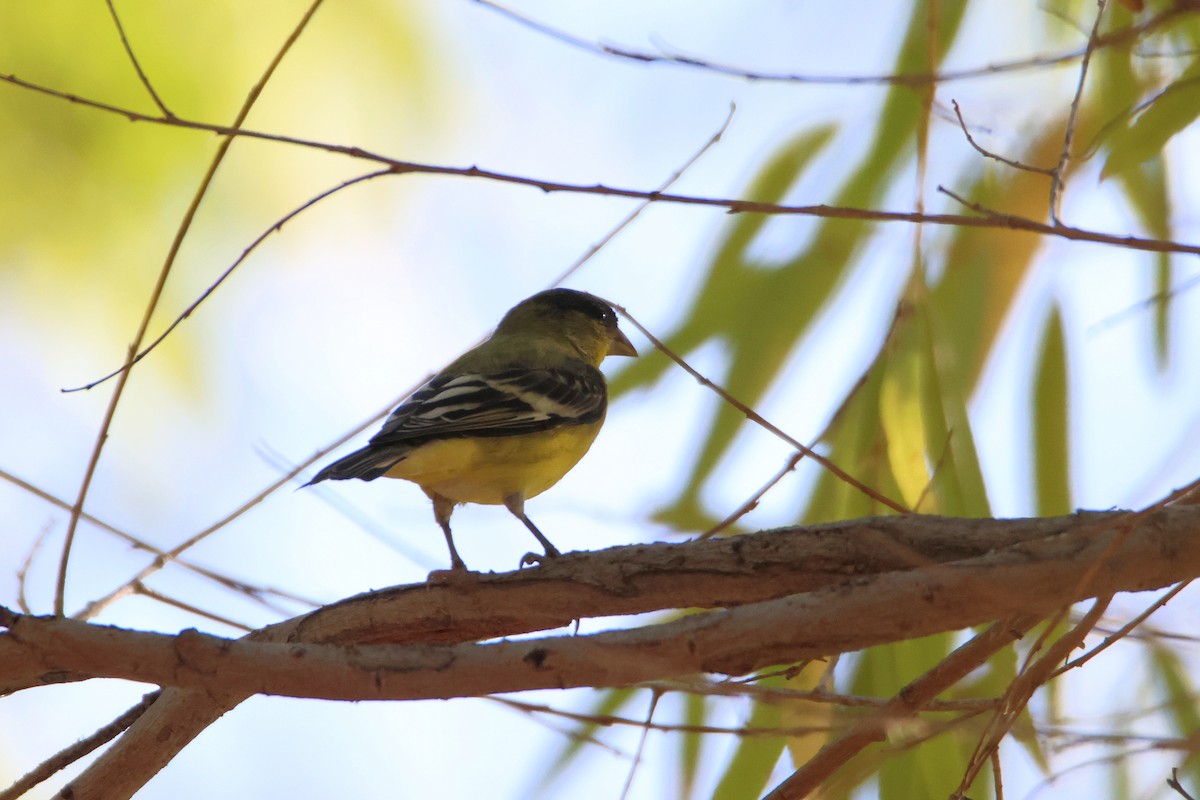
point(537, 559)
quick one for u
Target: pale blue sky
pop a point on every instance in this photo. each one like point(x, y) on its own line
point(368, 294)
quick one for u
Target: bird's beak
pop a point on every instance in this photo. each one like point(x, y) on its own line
point(620, 345)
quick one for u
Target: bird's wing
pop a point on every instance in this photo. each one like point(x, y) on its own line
point(502, 403)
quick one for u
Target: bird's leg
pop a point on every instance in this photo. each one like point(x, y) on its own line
point(516, 504)
point(443, 507)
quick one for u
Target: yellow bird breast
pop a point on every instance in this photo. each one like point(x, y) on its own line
point(486, 470)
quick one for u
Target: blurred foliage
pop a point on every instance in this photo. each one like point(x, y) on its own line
point(904, 428)
point(130, 182)
point(1052, 473)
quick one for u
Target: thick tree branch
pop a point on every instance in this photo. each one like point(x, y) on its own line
point(787, 595)
point(718, 573)
point(1036, 576)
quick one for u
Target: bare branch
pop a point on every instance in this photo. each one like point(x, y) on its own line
point(1117, 37)
point(637, 212)
point(646, 726)
point(911, 699)
point(69, 755)
point(185, 225)
point(962, 124)
point(905, 585)
point(1124, 631)
point(761, 421)
point(257, 593)
point(137, 67)
point(1019, 692)
point(274, 227)
point(166, 557)
point(1056, 182)
point(880, 583)
point(753, 500)
point(733, 205)
point(1174, 783)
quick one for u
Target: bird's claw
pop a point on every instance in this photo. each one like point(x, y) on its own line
point(531, 560)
point(537, 559)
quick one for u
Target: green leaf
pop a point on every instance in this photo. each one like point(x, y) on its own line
point(1051, 422)
point(1172, 677)
point(858, 446)
point(609, 704)
point(984, 268)
point(730, 308)
point(902, 416)
point(740, 294)
point(1165, 115)
point(957, 482)
point(695, 713)
point(1146, 189)
point(754, 760)
point(923, 770)
point(930, 447)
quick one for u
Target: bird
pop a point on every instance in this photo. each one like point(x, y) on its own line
point(506, 420)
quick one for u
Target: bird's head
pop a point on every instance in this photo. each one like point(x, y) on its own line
point(585, 322)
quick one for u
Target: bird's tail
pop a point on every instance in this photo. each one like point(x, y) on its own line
point(366, 464)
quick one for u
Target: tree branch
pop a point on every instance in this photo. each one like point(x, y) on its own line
point(731, 205)
point(785, 596)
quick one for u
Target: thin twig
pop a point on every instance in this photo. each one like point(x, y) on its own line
point(1174, 783)
point(753, 500)
point(655, 696)
point(112, 12)
point(145, 591)
point(911, 699)
point(1056, 180)
point(1143, 304)
point(571, 732)
point(23, 572)
point(274, 227)
point(165, 557)
point(257, 593)
point(682, 60)
point(1123, 631)
point(1066, 738)
point(793, 461)
point(185, 225)
point(761, 421)
point(1058, 774)
point(834, 418)
point(732, 205)
point(637, 212)
point(612, 720)
point(278, 225)
point(351, 512)
point(1019, 692)
point(744, 688)
point(989, 154)
point(69, 755)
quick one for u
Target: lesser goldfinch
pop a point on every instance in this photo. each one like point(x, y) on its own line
point(506, 420)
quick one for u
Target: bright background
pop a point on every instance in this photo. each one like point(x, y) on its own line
point(360, 298)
